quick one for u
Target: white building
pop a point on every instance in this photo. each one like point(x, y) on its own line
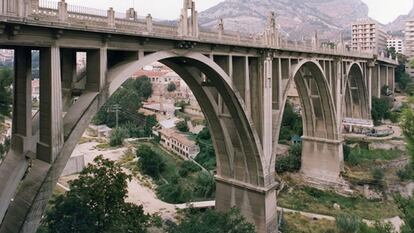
point(409, 44)
point(368, 36)
point(178, 143)
point(397, 43)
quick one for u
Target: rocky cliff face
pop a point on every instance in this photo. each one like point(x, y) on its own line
point(297, 18)
point(398, 25)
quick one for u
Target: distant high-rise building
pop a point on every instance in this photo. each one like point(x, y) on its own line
point(368, 35)
point(397, 43)
point(409, 38)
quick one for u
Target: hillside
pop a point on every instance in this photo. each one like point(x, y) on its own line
point(296, 17)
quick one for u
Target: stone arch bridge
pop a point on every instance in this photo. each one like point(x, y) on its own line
point(239, 80)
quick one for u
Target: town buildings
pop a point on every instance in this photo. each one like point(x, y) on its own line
point(178, 143)
point(368, 36)
point(397, 43)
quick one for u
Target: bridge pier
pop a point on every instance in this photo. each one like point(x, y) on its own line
point(257, 204)
point(322, 159)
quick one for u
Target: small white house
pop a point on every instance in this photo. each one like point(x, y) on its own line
point(99, 131)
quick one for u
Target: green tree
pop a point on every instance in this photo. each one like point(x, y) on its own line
point(143, 86)
point(213, 221)
point(96, 203)
point(150, 162)
point(406, 205)
point(291, 123)
point(205, 185)
point(188, 167)
point(207, 155)
point(175, 191)
point(292, 162)
point(404, 81)
point(171, 87)
point(407, 126)
point(6, 80)
point(380, 110)
point(182, 126)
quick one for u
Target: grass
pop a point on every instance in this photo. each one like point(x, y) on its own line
point(296, 223)
point(315, 201)
point(366, 158)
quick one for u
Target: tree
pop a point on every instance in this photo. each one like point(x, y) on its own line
point(6, 80)
point(207, 155)
point(117, 136)
point(205, 185)
point(143, 86)
point(407, 126)
point(96, 203)
point(171, 87)
point(188, 167)
point(213, 221)
point(404, 81)
point(380, 109)
point(406, 205)
point(291, 123)
point(182, 126)
point(150, 162)
point(292, 162)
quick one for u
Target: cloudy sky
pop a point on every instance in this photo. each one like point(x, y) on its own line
point(384, 11)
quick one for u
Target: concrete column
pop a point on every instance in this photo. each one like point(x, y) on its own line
point(323, 159)
point(111, 17)
point(338, 93)
point(63, 11)
point(96, 67)
point(22, 107)
point(369, 88)
point(280, 75)
point(257, 204)
point(51, 124)
point(379, 81)
point(247, 89)
point(68, 75)
point(387, 76)
point(267, 107)
point(149, 23)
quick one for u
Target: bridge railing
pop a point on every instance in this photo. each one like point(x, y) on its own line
point(62, 12)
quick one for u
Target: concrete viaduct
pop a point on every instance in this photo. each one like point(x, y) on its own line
point(240, 81)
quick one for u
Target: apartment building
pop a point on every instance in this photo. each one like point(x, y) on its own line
point(178, 143)
point(368, 36)
point(397, 43)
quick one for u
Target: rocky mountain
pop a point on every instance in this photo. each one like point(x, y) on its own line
point(297, 18)
point(398, 25)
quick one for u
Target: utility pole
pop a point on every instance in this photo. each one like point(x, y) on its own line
point(115, 108)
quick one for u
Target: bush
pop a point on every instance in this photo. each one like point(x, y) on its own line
point(212, 221)
point(174, 192)
point(348, 223)
point(117, 136)
point(380, 109)
point(182, 126)
point(205, 185)
point(150, 162)
point(407, 173)
point(291, 162)
point(188, 167)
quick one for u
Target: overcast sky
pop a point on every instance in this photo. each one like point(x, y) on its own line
point(384, 11)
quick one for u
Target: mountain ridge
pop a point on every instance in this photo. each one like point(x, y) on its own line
point(297, 18)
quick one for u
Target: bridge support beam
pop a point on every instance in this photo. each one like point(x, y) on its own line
point(14, 166)
point(257, 204)
point(322, 159)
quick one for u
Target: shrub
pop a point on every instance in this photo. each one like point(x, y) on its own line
point(150, 162)
point(117, 136)
point(292, 162)
point(187, 167)
point(378, 174)
point(348, 223)
point(182, 126)
point(205, 185)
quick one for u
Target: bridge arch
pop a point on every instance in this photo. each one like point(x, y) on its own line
point(236, 143)
point(241, 179)
point(322, 156)
point(356, 100)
